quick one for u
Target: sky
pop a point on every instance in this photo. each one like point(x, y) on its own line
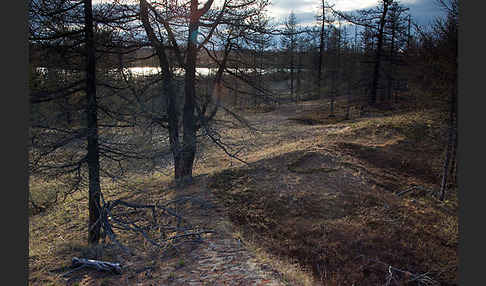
point(423, 11)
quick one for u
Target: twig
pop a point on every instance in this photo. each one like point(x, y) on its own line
point(74, 270)
point(421, 279)
point(109, 221)
point(413, 188)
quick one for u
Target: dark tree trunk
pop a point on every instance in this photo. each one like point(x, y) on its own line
point(169, 93)
point(255, 95)
point(408, 32)
point(452, 173)
point(443, 186)
point(292, 72)
point(333, 94)
point(172, 113)
point(298, 87)
point(379, 48)
point(348, 103)
point(321, 50)
point(450, 142)
point(189, 118)
point(173, 118)
point(236, 90)
point(392, 55)
point(92, 121)
point(67, 108)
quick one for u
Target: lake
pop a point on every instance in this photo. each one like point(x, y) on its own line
point(145, 71)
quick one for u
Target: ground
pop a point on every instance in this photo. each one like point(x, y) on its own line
point(315, 204)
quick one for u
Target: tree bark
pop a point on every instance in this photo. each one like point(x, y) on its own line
point(169, 92)
point(379, 48)
point(292, 71)
point(189, 118)
point(392, 55)
point(92, 122)
point(450, 142)
point(321, 50)
point(454, 159)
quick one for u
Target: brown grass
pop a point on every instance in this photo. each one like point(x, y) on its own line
point(316, 202)
point(347, 226)
point(329, 233)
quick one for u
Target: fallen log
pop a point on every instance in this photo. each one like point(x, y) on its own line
point(97, 264)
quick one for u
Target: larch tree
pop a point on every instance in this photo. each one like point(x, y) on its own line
point(57, 26)
point(289, 43)
point(188, 27)
point(446, 50)
point(321, 47)
point(396, 40)
point(373, 20)
point(77, 120)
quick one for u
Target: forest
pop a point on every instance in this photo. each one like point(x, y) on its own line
point(205, 142)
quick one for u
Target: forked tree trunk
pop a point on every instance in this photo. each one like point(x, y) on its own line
point(92, 120)
point(169, 93)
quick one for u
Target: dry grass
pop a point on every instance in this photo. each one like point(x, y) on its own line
point(327, 232)
point(347, 226)
point(60, 233)
point(316, 203)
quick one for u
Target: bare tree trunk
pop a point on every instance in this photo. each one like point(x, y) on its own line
point(292, 73)
point(255, 95)
point(299, 65)
point(450, 143)
point(333, 93)
point(169, 93)
point(443, 185)
point(235, 86)
point(173, 118)
point(92, 121)
point(453, 166)
point(376, 70)
point(189, 118)
point(321, 50)
point(390, 75)
point(408, 32)
point(348, 103)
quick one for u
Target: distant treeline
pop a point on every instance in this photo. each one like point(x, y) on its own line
point(63, 57)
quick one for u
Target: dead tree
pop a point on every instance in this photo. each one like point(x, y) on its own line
point(79, 151)
point(379, 51)
point(289, 44)
point(396, 39)
point(93, 155)
point(438, 48)
point(201, 20)
point(321, 47)
point(54, 33)
point(373, 19)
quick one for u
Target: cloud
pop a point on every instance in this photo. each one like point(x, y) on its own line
point(424, 12)
point(350, 5)
point(295, 5)
point(306, 18)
